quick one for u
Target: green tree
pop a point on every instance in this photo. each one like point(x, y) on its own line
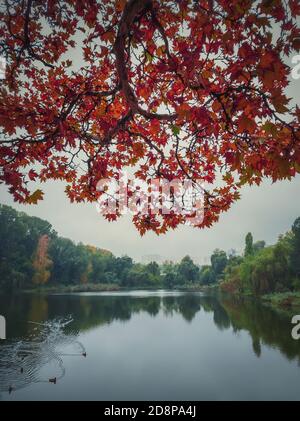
point(169, 274)
point(122, 266)
point(139, 277)
point(258, 245)
point(295, 252)
point(248, 245)
point(187, 271)
point(70, 262)
point(19, 235)
point(207, 275)
point(218, 263)
point(153, 268)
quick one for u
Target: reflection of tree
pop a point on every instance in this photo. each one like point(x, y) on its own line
point(264, 325)
point(256, 346)
point(188, 306)
point(38, 308)
point(221, 318)
point(152, 306)
point(169, 305)
point(211, 304)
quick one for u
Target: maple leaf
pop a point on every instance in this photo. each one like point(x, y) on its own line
point(266, 60)
point(35, 197)
point(32, 175)
point(270, 127)
point(246, 124)
point(175, 130)
point(184, 110)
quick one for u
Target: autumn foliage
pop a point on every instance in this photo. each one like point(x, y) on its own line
point(174, 89)
point(41, 262)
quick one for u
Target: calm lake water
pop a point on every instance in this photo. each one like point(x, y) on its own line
point(146, 346)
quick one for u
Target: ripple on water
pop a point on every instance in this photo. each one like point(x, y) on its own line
point(31, 360)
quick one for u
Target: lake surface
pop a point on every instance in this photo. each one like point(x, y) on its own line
point(146, 346)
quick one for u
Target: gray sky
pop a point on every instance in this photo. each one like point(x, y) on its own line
point(266, 211)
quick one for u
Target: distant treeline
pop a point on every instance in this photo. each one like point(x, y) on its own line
point(32, 255)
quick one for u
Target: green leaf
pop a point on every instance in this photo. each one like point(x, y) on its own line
point(175, 130)
point(149, 57)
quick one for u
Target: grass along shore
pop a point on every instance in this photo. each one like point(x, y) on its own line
point(285, 301)
point(73, 288)
point(104, 287)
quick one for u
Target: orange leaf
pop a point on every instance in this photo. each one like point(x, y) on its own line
point(35, 197)
point(247, 124)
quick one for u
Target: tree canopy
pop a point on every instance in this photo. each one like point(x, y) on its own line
point(248, 244)
point(264, 270)
point(175, 89)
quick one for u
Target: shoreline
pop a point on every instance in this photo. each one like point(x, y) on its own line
point(287, 302)
point(107, 288)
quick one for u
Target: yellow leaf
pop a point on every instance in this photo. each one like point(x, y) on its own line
point(100, 111)
point(280, 108)
point(270, 127)
point(160, 50)
point(297, 167)
point(149, 57)
point(35, 197)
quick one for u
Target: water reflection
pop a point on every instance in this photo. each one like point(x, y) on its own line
point(264, 325)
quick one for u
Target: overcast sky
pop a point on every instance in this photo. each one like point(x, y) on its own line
point(266, 211)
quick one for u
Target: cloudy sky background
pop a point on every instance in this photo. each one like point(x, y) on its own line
point(266, 211)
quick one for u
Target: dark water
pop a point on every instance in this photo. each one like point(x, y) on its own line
point(146, 346)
